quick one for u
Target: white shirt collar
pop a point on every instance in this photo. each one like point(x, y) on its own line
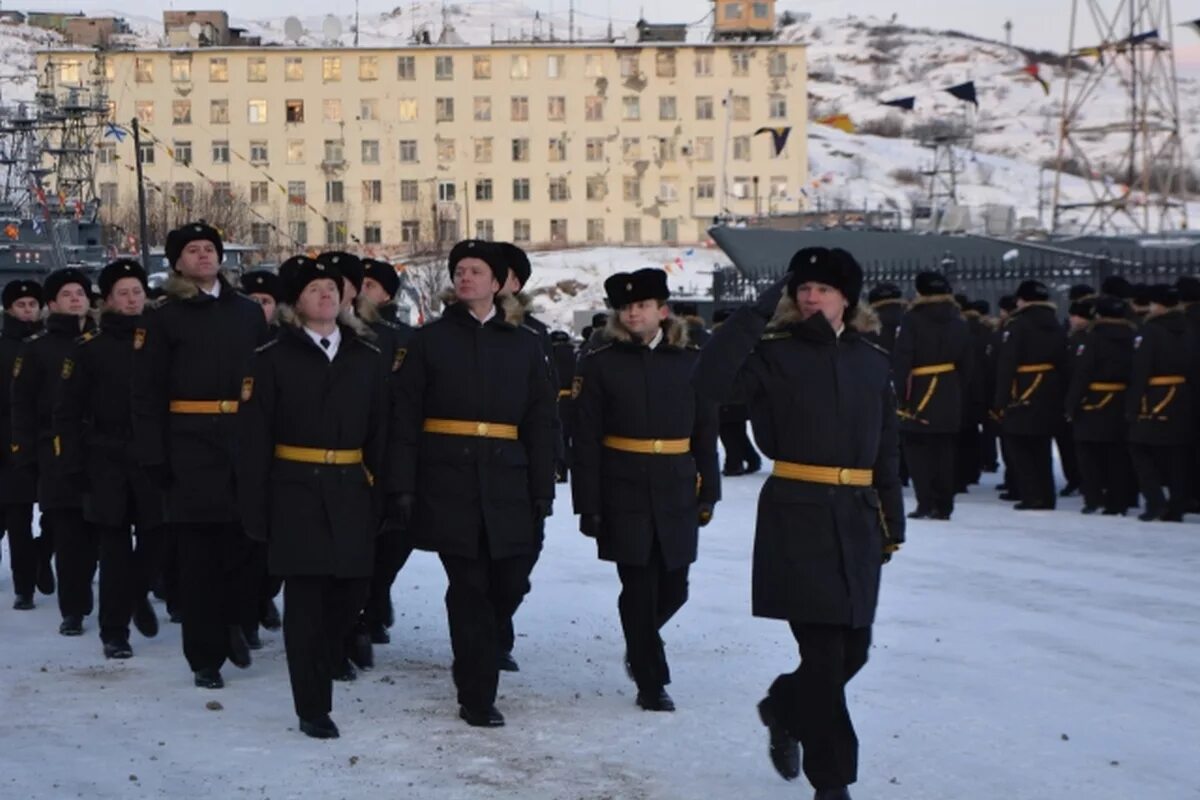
point(334, 339)
point(657, 340)
point(215, 291)
point(491, 313)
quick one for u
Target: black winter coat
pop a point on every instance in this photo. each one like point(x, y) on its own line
point(18, 483)
point(631, 391)
point(977, 394)
point(890, 313)
point(1163, 414)
point(1031, 402)
point(564, 370)
point(820, 399)
point(197, 348)
point(94, 425)
point(932, 333)
point(317, 519)
point(459, 369)
point(45, 359)
point(1104, 356)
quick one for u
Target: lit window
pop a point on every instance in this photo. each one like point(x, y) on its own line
point(181, 70)
point(482, 68)
point(331, 109)
point(256, 112)
point(331, 68)
point(218, 70)
point(293, 68)
point(408, 109)
point(256, 70)
point(518, 69)
point(368, 68)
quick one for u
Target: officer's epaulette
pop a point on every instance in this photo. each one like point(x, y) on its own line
point(263, 347)
point(692, 346)
point(598, 349)
point(880, 348)
point(367, 344)
point(88, 336)
point(36, 336)
point(530, 329)
point(771, 336)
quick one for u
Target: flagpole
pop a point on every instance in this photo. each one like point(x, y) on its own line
point(141, 196)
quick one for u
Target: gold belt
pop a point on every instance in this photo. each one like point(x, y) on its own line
point(833, 476)
point(932, 369)
point(204, 406)
point(1167, 380)
point(462, 427)
point(564, 393)
point(1101, 386)
point(315, 455)
point(653, 447)
point(1025, 369)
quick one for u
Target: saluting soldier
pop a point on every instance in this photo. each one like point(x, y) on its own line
point(1160, 408)
point(822, 405)
point(646, 473)
point(92, 422)
point(18, 482)
point(472, 452)
point(1096, 398)
point(312, 427)
point(44, 361)
point(888, 303)
point(262, 286)
point(1029, 392)
point(931, 364)
point(187, 380)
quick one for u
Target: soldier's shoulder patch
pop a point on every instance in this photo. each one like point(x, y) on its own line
point(264, 347)
point(576, 387)
point(17, 366)
point(1079, 350)
point(398, 358)
point(370, 345)
point(247, 389)
point(1004, 336)
point(1137, 342)
point(600, 348)
point(68, 367)
point(877, 347)
point(35, 336)
point(772, 336)
point(87, 336)
point(139, 338)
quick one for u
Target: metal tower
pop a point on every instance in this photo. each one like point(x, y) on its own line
point(1142, 187)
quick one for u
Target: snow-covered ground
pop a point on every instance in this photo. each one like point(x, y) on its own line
point(1018, 656)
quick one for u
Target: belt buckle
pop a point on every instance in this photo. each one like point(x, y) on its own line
point(225, 406)
point(481, 429)
point(330, 457)
point(658, 445)
point(843, 476)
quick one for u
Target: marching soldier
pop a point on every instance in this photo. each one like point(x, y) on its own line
point(888, 304)
point(831, 514)
point(18, 484)
point(1096, 398)
point(187, 379)
point(931, 365)
point(564, 359)
point(92, 424)
point(262, 287)
point(1161, 407)
point(44, 361)
point(645, 477)
point(472, 452)
point(1029, 392)
point(312, 428)
point(741, 457)
point(969, 454)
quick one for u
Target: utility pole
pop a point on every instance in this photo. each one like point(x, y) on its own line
point(1008, 26)
point(141, 196)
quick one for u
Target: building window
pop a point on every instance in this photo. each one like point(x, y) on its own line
point(631, 107)
point(669, 229)
point(631, 148)
point(183, 153)
point(146, 154)
point(447, 191)
point(410, 231)
point(145, 111)
point(518, 68)
point(741, 108)
point(521, 230)
point(778, 105)
point(759, 10)
point(595, 149)
point(181, 71)
point(410, 191)
point(703, 148)
point(704, 63)
point(260, 234)
point(444, 109)
point(258, 152)
point(629, 65)
point(298, 231)
point(368, 109)
point(666, 108)
point(558, 231)
point(593, 66)
point(256, 69)
point(485, 230)
point(742, 189)
point(445, 151)
point(520, 109)
point(335, 151)
point(218, 112)
point(706, 188)
point(557, 149)
point(110, 110)
point(106, 153)
point(778, 187)
point(185, 194)
point(481, 68)
point(741, 63)
point(294, 110)
point(595, 231)
point(631, 189)
point(556, 109)
point(335, 192)
point(218, 70)
point(560, 192)
point(223, 191)
point(520, 149)
point(368, 68)
point(483, 109)
point(483, 150)
point(256, 112)
point(483, 189)
point(443, 68)
point(406, 68)
point(733, 11)
point(777, 64)
point(741, 148)
point(293, 68)
point(295, 151)
point(143, 70)
point(372, 233)
point(704, 107)
point(556, 66)
point(370, 151)
point(664, 63)
point(664, 149)
point(220, 152)
point(593, 108)
point(372, 191)
point(597, 187)
point(332, 109)
point(668, 190)
point(108, 194)
point(331, 68)
point(260, 193)
point(335, 232)
point(408, 151)
point(520, 189)
point(181, 112)
point(408, 109)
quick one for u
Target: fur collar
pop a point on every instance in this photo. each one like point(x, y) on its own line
point(370, 313)
point(929, 299)
point(176, 287)
point(1036, 304)
point(1111, 321)
point(675, 331)
point(863, 319)
point(286, 315)
point(1166, 312)
point(512, 308)
point(891, 301)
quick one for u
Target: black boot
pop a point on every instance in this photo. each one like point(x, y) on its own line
point(346, 673)
point(72, 625)
point(379, 634)
point(209, 678)
point(24, 602)
point(144, 618)
point(118, 649)
point(360, 651)
point(321, 727)
point(784, 750)
point(655, 700)
point(506, 663)
point(253, 640)
point(489, 717)
point(919, 513)
point(1089, 509)
point(239, 648)
point(269, 616)
point(45, 574)
point(833, 794)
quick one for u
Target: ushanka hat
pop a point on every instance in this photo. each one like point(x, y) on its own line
point(15, 290)
point(487, 252)
point(833, 267)
point(260, 281)
point(121, 268)
point(301, 271)
point(348, 265)
point(184, 235)
point(626, 288)
point(382, 273)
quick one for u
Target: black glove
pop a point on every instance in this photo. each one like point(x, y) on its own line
point(589, 525)
point(705, 514)
point(542, 509)
point(768, 299)
point(399, 510)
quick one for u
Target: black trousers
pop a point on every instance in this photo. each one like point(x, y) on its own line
point(1160, 466)
point(740, 453)
point(126, 573)
point(989, 456)
point(318, 612)
point(966, 458)
point(75, 557)
point(811, 702)
point(1010, 471)
point(391, 554)
point(931, 459)
point(650, 596)
point(1034, 469)
point(16, 519)
point(217, 588)
point(1104, 475)
point(482, 591)
point(1064, 441)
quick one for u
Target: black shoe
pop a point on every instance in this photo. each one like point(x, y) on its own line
point(1171, 516)
point(360, 651)
point(253, 640)
point(320, 728)
point(269, 617)
point(1149, 516)
point(1068, 491)
point(145, 619)
point(940, 515)
point(71, 626)
point(506, 663)
point(733, 472)
point(1089, 509)
point(379, 634)
point(175, 617)
point(1023, 506)
point(784, 750)
point(833, 794)
point(919, 513)
point(347, 673)
point(239, 648)
point(45, 577)
point(24, 602)
point(1114, 512)
point(118, 649)
point(1001, 487)
point(209, 679)
point(753, 467)
point(655, 700)
point(489, 717)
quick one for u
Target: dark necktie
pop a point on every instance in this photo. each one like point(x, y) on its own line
point(325, 343)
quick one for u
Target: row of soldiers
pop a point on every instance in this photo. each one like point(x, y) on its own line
point(1110, 384)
